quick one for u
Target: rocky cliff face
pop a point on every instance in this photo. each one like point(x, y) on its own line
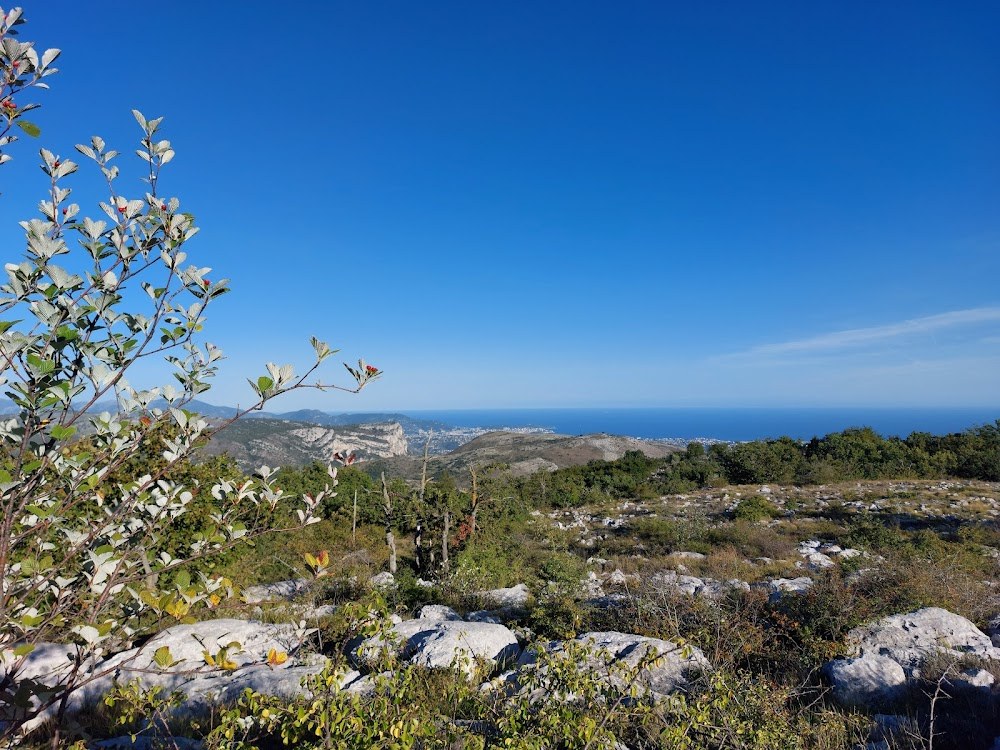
point(527, 453)
point(382, 440)
point(275, 442)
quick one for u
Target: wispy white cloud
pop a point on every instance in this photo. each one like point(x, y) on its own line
point(856, 338)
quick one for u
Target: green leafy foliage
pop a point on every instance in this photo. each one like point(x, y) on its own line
point(108, 528)
point(755, 508)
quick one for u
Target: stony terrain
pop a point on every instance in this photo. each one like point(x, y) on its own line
point(649, 564)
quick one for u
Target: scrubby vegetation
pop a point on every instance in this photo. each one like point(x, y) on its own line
point(923, 543)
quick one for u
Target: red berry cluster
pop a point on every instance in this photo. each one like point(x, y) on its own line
point(371, 370)
point(9, 105)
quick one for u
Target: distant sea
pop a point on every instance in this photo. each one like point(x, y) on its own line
point(720, 423)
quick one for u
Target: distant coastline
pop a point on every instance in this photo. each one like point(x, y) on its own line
point(728, 424)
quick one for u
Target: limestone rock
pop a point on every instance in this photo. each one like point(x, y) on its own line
point(893, 650)
point(483, 615)
point(779, 587)
point(437, 613)
point(206, 691)
point(278, 591)
point(867, 681)
point(383, 439)
point(515, 596)
point(910, 638)
point(670, 580)
point(973, 680)
point(673, 671)
point(712, 589)
point(818, 560)
point(383, 580)
point(439, 644)
point(49, 663)
point(993, 629)
point(186, 644)
point(617, 578)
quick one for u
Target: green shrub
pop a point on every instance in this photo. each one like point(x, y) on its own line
point(495, 557)
point(870, 532)
point(755, 508)
point(752, 539)
point(557, 611)
point(662, 536)
point(740, 710)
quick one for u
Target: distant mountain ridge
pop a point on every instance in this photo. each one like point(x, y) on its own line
point(313, 416)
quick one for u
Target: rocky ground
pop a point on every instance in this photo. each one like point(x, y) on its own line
point(638, 552)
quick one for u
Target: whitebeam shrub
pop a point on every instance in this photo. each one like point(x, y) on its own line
point(91, 297)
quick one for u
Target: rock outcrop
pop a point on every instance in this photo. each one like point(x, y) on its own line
point(438, 644)
point(439, 639)
point(613, 657)
point(275, 442)
point(890, 653)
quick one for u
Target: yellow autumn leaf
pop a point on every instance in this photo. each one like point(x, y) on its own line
point(275, 657)
point(178, 609)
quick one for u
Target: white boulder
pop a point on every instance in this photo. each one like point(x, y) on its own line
point(908, 639)
point(438, 644)
point(383, 580)
point(671, 671)
point(278, 591)
point(438, 612)
point(868, 681)
point(515, 596)
point(892, 651)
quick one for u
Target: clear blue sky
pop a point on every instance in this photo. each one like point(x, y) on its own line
point(566, 203)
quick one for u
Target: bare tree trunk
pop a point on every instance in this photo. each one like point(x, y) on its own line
point(152, 579)
point(475, 501)
point(444, 542)
point(418, 542)
point(390, 539)
point(418, 537)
